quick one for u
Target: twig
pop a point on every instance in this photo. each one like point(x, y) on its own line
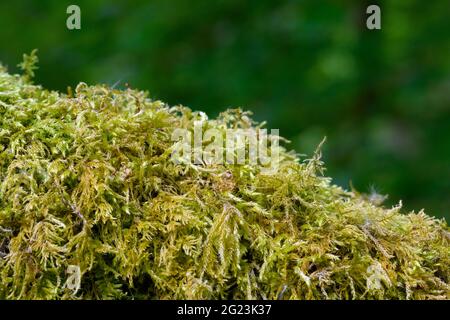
point(5, 230)
point(71, 205)
point(378, 245)
point(76, 211)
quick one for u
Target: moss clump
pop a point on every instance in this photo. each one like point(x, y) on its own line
point(92, 207)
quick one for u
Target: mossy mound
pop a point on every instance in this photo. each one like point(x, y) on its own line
point(87, 184)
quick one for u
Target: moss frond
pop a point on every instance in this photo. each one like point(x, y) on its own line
point(86, 180)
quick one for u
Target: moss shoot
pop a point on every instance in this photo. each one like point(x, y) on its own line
point(92, 207)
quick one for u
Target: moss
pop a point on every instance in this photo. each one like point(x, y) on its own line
point(92, 207)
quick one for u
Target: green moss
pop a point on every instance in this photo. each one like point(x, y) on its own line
point(87, 184)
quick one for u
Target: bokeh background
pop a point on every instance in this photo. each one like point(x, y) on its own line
point(309, 68)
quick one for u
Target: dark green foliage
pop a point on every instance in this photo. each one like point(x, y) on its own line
point(86, 181)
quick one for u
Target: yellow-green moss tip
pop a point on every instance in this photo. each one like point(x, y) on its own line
point(87, 189)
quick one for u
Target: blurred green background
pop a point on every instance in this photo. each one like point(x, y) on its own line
point(310, 68)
